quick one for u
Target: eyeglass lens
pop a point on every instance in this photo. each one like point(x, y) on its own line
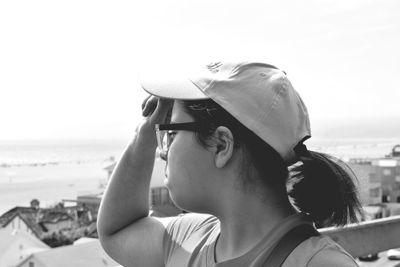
point(164, 140)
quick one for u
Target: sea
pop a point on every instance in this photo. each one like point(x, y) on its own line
point(55, 170)
point(348, 148)
point(53, 152)
point(37, 153)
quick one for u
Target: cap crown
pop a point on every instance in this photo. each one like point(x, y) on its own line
point(262, 98)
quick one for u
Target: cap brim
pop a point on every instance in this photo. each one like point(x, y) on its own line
point(169, 85)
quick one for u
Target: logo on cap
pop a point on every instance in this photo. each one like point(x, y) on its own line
point(214, 67)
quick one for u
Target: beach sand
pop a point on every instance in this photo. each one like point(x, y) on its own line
point(49, 184)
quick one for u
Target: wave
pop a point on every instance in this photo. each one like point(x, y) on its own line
point(55, 163)
point(47, 153)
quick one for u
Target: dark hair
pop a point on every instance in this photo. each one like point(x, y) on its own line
point(321, 186)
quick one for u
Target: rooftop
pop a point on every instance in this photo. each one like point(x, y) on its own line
point(86, 254)
point(36, 218)
point(8, 237)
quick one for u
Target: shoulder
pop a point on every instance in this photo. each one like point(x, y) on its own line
point(183, 226)
point(320, 251)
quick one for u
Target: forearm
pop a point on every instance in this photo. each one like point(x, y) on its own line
point(126, 198)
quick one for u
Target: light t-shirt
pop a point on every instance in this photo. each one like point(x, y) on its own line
point(190, 240)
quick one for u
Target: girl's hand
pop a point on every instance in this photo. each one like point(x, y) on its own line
point(155, 110)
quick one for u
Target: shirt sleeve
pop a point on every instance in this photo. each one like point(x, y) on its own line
point(181, 228)
point(331, 257)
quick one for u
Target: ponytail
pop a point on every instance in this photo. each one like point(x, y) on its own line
point(324, 187)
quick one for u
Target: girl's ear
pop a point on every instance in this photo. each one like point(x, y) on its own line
point(224, 146)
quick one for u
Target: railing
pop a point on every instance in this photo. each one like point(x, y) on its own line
point(367, 237)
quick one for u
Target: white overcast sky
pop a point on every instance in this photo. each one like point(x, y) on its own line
point(69, 69)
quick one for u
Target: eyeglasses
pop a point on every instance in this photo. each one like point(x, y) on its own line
point(166, 132)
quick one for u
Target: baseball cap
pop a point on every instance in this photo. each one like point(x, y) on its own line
point(258, 95)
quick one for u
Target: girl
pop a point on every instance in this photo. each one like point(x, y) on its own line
point(235, 159)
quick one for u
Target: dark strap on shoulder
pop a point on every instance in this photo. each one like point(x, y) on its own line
point(288, 243)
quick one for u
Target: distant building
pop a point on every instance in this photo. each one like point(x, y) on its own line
point(55, 221)
point(88, 203)
point(379, 178)
point(387, 170)
point(87, 254)
point(396, 151)
point(373, 212)
point(23, 219)
point(369, 185)
point(38, 222)
point(16, 246)
point(55, 226)
point(393, 209)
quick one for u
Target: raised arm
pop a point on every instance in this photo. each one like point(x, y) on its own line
point(125, 230)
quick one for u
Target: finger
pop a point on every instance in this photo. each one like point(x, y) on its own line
point(150, 106)
point(164, 106)
point(145, 101)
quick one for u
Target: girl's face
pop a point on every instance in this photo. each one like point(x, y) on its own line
point(190, 167)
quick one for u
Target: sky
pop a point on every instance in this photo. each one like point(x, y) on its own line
point(70, 69)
